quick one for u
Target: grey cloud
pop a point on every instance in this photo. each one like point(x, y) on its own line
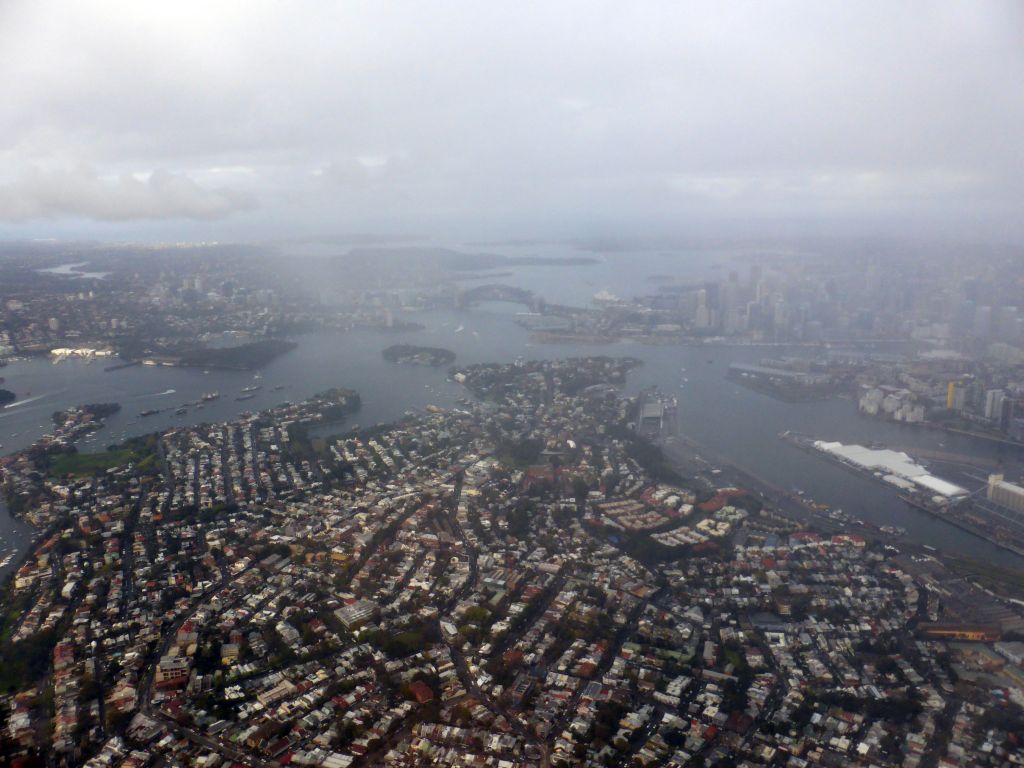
point(82, 192)
point(510, 114)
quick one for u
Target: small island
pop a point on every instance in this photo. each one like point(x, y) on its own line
point(413, 355)
point(6, 396)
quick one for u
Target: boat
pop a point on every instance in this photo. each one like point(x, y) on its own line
point(240, 398)
point(150, 412)
point(210, 396)
point(279, 387)
point(251, 389)
point(181, 412)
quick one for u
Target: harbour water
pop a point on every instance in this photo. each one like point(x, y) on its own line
point(731, 420)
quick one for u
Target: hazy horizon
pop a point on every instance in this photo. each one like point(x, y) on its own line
point(260, 121)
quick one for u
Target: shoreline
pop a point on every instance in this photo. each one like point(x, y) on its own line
point(796, 509)
point(935, 513)
point(783, 502)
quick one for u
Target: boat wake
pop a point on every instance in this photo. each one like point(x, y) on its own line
point(159, 394)
point(26, 402)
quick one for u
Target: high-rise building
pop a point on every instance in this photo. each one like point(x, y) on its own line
point(1008, 324)
point(729, 295)
point(1008, 410)
point(702, 316)
point(983, 322)
point(994, 404)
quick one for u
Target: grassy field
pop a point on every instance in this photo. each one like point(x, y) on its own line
point(91, 463)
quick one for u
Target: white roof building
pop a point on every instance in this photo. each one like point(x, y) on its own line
point(897, 467)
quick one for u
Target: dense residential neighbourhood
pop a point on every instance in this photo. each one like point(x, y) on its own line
point(511, 385)
point(517, 581)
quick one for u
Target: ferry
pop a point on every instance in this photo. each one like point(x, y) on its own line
point(210, 396)
point(251, 389)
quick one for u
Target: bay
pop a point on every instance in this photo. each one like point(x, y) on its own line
point(734, 421)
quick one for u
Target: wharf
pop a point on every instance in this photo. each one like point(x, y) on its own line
point(946, 513)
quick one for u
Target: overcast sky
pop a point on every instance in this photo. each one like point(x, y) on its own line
point(222, 120)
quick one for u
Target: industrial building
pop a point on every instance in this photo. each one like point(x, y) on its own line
point(1005, 494)
point(894, 467)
